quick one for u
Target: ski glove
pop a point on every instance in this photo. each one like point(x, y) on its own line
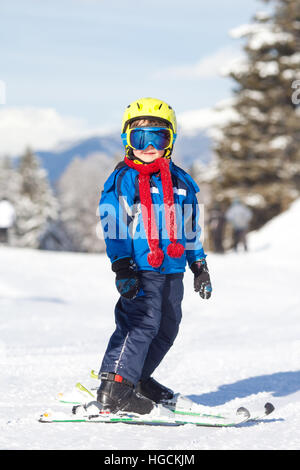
point(202, 282)
point(127, 281)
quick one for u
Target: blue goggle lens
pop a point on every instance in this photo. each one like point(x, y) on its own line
point(141, 138)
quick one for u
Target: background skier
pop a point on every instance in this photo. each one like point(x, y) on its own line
point(239, 216)
point(7, 219)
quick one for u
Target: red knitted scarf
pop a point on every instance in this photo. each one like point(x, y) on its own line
point(175, 249)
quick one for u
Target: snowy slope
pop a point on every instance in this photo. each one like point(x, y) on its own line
point(242, 347)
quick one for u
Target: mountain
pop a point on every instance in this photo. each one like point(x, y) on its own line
point(188, 149)
point(56, 161)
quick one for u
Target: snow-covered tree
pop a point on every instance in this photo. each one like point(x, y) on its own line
point(36, 204)
point(259, 152)
point(10, 180)
point(79, 190)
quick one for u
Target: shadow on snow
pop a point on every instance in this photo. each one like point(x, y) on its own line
point(279, 384)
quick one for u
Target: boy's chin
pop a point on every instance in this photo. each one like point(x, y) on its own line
point(148, 158)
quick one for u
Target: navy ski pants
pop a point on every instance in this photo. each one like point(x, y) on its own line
point(146, 327)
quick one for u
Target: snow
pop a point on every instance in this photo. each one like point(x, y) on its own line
point(254, 95)
point(293, 59)
point(268, 38)
point(238, 66)
point(265, 69)
point(240, 348)
point(261, 35)
point(280, 142)
point(262, 15)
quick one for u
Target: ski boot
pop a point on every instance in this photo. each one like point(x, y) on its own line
point(118, 394)
point(153, 390)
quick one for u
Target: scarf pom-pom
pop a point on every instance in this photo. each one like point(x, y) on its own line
point(155, 258)
point(175, 250)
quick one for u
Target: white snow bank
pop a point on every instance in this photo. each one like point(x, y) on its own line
point(280, 235)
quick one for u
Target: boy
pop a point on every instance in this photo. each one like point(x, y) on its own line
point(149, 216)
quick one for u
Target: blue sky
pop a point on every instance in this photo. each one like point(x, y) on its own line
point(87, 59)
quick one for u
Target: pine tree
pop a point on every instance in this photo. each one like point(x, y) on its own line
point(36, 204)
point(9, 180)
point(259, 153)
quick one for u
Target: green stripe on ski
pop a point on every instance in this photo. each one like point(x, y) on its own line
point(193, 413)
point(132, 421)
point(70, 402)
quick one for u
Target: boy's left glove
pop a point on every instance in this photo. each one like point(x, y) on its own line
point(202, 282)
point(127, 281)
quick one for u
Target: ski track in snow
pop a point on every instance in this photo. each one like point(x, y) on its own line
point(240, 348)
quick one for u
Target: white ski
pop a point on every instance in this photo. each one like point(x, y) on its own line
point(160, 415)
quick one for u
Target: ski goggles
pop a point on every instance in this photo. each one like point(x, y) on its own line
point(139, 138)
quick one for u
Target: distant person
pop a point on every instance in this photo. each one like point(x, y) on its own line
point(239, 216)
point(217, 222)
point(7, 219)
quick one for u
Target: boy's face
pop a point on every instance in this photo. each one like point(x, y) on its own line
point(150, 153)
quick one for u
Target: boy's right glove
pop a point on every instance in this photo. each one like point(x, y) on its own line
point(202, 282)
point(127, 281)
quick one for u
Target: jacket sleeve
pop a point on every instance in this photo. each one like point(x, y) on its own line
point(194, 247)
point(115, 214)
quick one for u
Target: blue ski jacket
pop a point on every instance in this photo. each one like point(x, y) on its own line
point(122, 221)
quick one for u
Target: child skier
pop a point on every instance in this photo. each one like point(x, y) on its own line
point(149, 215)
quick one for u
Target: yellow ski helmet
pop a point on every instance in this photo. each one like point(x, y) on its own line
point(146, 108)
point(149, 108)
